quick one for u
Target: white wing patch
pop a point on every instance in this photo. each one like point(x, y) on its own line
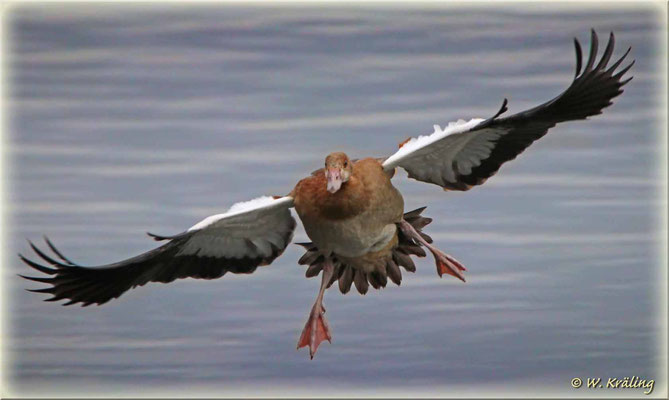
point(250, 229)
point(244, 206)
point(475, 148)
point(415, 144)
point(448, 153)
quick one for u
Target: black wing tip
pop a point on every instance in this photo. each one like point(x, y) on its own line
point(45, 290)
point(594, 44)
point(503, 108)
point(593, 32)
point(37, 279)
point(593, 37)
point(47, 258)
point(155, 237)
point(629, 48)
point(620, 60)
point(625, 82)
point(38, 267)
point(600, 74)
point(159, 238)
point(579, 57)
point(57, 252)
point(490, 120)
point(26, 277)
point(622, 71)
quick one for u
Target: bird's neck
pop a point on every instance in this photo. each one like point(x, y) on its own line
point(350, 200)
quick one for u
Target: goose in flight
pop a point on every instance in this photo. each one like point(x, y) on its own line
point(360, 234)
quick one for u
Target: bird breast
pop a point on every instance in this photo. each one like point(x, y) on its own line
point(358, 219)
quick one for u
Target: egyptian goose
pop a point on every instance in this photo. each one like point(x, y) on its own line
point(350, 209)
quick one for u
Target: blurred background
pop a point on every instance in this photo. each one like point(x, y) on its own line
point(135, 118)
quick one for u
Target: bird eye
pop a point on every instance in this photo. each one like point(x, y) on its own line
point(345, 164)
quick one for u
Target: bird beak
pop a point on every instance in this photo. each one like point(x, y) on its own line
point(333, 176)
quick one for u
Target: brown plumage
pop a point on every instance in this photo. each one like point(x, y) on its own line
point(397, 254)
point(356, 224)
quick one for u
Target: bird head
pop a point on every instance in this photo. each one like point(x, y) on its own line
point(337, 170)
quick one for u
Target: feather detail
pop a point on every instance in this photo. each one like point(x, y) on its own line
point(378, 270)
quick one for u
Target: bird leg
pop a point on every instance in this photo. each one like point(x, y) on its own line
point(445, 263)
point(316, 329)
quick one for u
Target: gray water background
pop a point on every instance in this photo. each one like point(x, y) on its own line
point(152, 117)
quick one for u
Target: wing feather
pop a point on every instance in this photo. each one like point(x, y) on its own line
point(249, 235)
point(466, 154)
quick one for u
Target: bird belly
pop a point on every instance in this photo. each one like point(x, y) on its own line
point(350, 238)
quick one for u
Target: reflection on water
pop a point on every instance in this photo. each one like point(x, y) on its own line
point(151, 119)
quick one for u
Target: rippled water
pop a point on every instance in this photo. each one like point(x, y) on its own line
point(149, 118)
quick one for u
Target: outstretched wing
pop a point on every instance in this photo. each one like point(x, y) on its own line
point(466, 153)
point(249, 235)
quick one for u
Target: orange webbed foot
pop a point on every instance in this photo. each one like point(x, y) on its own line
point(448, 265)
point(315, 331)
point(445, 263)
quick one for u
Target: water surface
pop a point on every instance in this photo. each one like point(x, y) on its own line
point(150, 118)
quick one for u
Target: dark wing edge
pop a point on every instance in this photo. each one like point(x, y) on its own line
point(591, 90)
point(97, 285)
